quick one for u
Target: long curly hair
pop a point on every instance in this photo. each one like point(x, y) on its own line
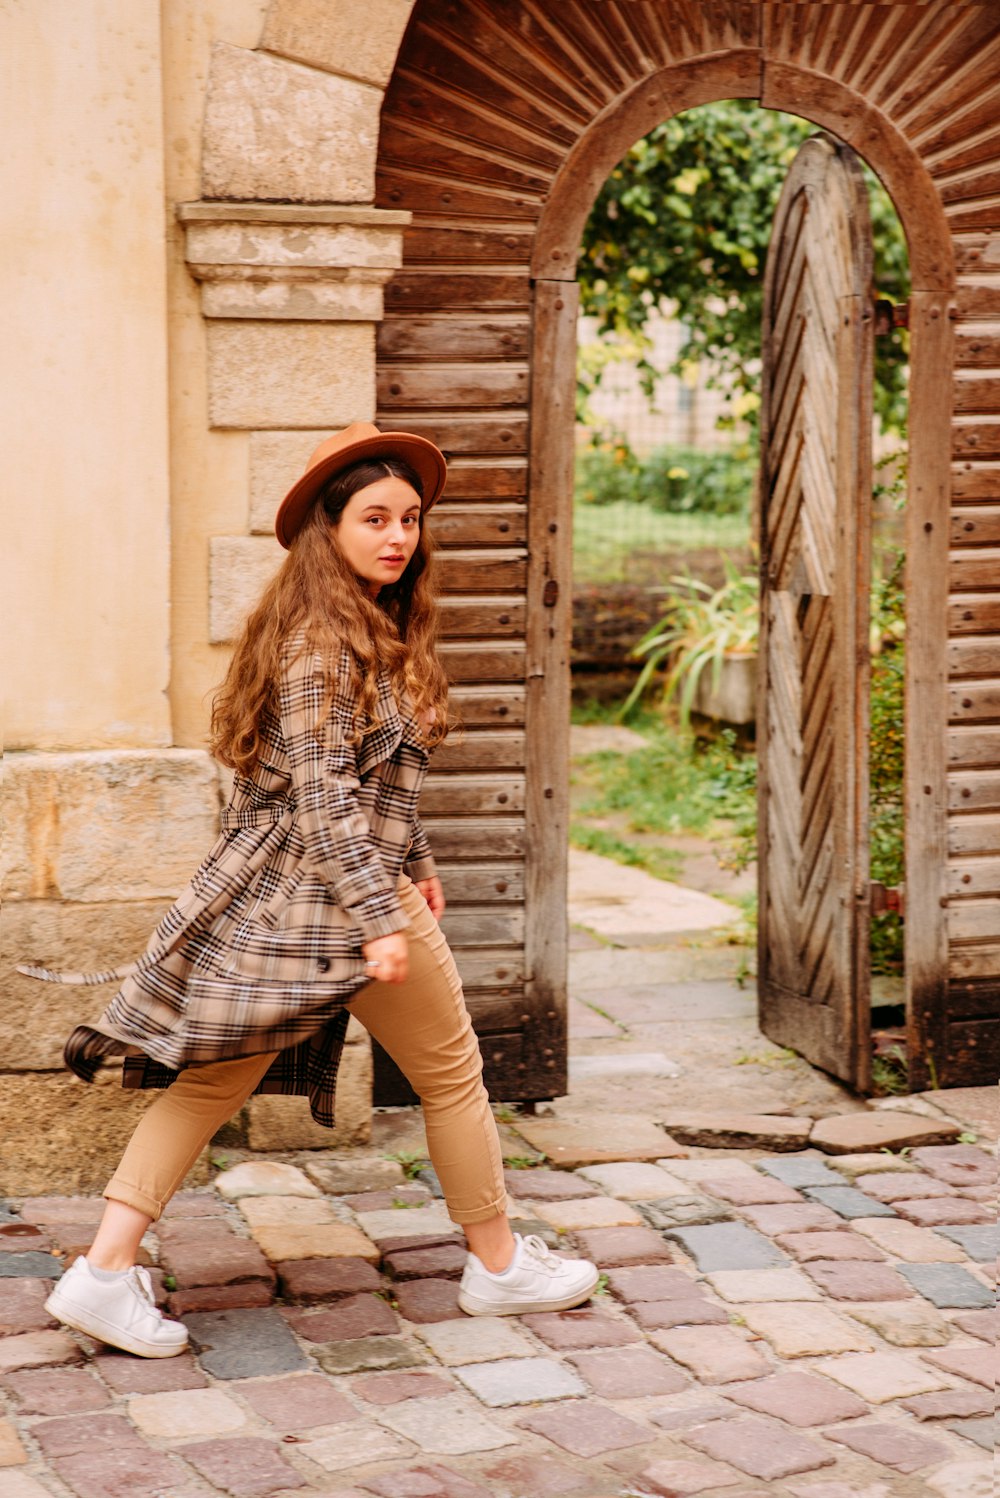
point(315, 599)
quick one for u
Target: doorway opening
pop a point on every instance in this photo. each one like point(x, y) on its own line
point(667, 592)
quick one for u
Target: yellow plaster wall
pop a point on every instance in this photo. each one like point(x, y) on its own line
point(86, 451)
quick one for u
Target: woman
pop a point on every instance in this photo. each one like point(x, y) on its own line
point(320, 897)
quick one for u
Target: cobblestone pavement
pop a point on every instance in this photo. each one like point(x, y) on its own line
point(778, 1319)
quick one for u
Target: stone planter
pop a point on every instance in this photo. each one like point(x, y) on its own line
point(734, 700)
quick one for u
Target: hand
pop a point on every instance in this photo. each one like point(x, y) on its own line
point(391, 953)
point(433, 894)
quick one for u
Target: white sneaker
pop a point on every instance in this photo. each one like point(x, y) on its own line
point(536, 1280)
point(121, 1312)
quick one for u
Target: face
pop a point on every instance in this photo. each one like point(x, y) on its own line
point(378, 531)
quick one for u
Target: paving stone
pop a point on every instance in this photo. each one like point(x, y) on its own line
point(677, 1479)
point(334, 1240)
point(739, 1130)
point(513, 1381)
point(42, 1210)
point(944, 1212)
point(762, 1284)
point(263, 1178)
point(428, 1300)
point(193, 1203)
point(660, 1315)
point(566, 1330)
point(365, 1315)
point(982, 1324)
point(474, 1340)
point(715, 1354)
point(958, 1164)
point(19, 1237)
point(410, 1222)
point(852, 1280)
point(619, 1248)
point(621, 1137)
point(589, 1212)
point(947, 1285)
point(904, 1240)
point(549, 1185)
point(985, 1432)
point(891, 1186)
point(719, 1166)
point(651, 1282)
point(245, 1468)
point(176, 1416)
point(128, 1472)
point(680, 1416)
point(905, 1323)
point(634, 1182)
point(804, 1331)
point(800, 1398)
point(881, 1376)
point(355, 1445)
point(243, 1296)
point(848, 1202)
point(390, 1388)
point(30, 1265)
point(761, 1448)
point(244, 1344)
point(891, 1445)
point(964, 1479)
point(684, 1211)
point(338, 1177)
point(380, 1201)
point(727, 1245)
point(446, 1426)
point(753, 1191)
point(426, 1481)
point(800, 1170)
point(808, 1217)
point(184, 1231)
point(439, 1261)
point(829, 1247)
point(628, 1373)
point(428, 1176)
point(538, 1475)
point(12, 1452)
point(37, 1350)
point(586, 1428)
point(125, 1374)
point(851, 1133)
point(22, 1306)
point(222, 1260)
point(69, 1435)
point(363, 1354)
point(300, 1401)
point(980, 1241)
point(56, 1391)
point(950, 1404)
point(306, 1281)
point(976, 1363)
point(271, 1211)
point(21, 1485)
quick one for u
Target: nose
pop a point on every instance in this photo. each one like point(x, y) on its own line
point(397, 533)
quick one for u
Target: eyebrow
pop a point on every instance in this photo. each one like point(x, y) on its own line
point(375, 507)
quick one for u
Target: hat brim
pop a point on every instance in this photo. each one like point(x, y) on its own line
point(427, 460)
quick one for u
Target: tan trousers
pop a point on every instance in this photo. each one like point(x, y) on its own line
point(424, 1026)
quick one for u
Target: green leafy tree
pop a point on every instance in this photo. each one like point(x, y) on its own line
point(683, 224)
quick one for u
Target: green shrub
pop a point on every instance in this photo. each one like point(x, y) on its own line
point(676, 480)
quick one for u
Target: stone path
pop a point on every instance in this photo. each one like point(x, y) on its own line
point(804, 1323)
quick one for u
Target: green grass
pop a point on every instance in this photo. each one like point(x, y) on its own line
point(606, 537)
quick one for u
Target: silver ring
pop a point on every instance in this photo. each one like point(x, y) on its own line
point(371, 964)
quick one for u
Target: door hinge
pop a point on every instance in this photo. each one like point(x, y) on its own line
point(882, 899)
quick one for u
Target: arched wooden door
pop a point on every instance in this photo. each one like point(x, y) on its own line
point(815, 559)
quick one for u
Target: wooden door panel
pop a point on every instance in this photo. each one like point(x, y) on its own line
point(815, 516)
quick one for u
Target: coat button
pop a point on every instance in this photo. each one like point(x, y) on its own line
point(323, 965)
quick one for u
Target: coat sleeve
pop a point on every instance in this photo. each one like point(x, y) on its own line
point(419, 859)
point(325, 782)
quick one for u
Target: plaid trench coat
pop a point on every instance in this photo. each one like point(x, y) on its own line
point(264, 947)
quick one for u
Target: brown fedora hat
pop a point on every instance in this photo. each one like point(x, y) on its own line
point(360, 440)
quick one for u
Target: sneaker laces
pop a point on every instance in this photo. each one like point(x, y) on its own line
point(539, 1250)
point(142, 1282)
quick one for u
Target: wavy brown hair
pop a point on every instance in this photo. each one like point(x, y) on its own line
point(316, 597)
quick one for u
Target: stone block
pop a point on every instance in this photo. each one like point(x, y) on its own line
point(857, 1280)
point(660, 1315)
point(365, 1315)
point(338, 1177)
point(756, 1192)
point(570, 1142)
point(880, 1376)
point(566, 1330)
point(57, 1391)
point(61, 1134)
point(762, 1285)
point(309, 1281)
point(964, 1479)
point(804, 1331)
point(107, 825)
point(892, 1186)
point(246, 1468)
point(37, 1350)
point(684, 1211)
point(800, 1170)
point(949, 1404)
point(678, 1479)
point(266, 1211)
point(891, 1446)
point(340, 39)
point(868, 1162)
point(739, 1130)
point(760, 1448)
point(652, 1282)
point(703, 1169)
point(808, 1247)
point(589, 1212)
point(618, 1248)
point(31, 1265)
point(727, 1245)
point(12, 1453)
point(848, 1202)
point(958, 1164)
point(715, 1354)
point(541, 1476)
point(982, 1324)
point(428, 1300)
point(263, 1178)
point(543, 1185)
point(445, 1426)
point(283, 374)
point(355, 1445)
point(978, 1364)
point(948, 1285)
point(239, 569)
point(907, 1324)
point(633, 1182)
point(945, 1211)
point(333, 1240)
point(412, 1222)
point(981, 1241)
point(244, 1344)
point(277, 131)
point(132, 1469)
point(800, 1398)
point(628, 1373)
point(241, 1296)
point(807, 1218)
point(904, 1240)
point(327, 297)
point(586, 1428)
point(440, 1261)
point(298, 1401)
point(364, 1354)
point(985, 1432)
point(390, 1388)
point(177, 1416)
point(22, 1305)
point(505, 1383)
point(220, 1259)
point(277, 459)
point(851, 1133)
point(477, 1340)
point(125, 1374)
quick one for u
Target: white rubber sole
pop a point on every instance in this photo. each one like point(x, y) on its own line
point(474, 1305)
point(95, 1326)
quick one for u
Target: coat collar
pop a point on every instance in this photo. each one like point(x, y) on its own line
point(394, 728)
